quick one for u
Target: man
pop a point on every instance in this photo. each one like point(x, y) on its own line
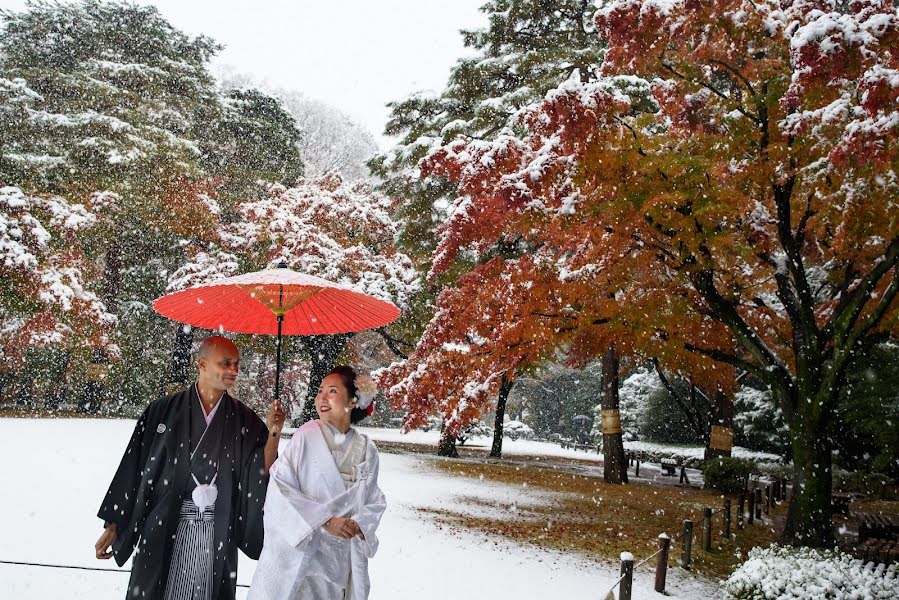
point(191, 485)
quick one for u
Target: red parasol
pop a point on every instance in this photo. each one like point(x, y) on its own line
point(276, 301)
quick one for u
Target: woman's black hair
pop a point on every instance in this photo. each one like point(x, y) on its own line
point(348, 375)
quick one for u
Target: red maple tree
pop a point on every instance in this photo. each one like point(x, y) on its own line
point(722, 199)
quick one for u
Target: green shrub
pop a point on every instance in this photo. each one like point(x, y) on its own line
point(775, 470)
point(872, 485)
point(728, 475)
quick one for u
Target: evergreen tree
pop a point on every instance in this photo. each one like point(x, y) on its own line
point(110, 97)
point(112, 90)
point(867, 429)
point(252, 137)
point(527, 48)
point(557, 396)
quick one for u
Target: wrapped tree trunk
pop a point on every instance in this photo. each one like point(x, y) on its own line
point(614, 462)
point(504, 388)
point(721, 434)
point(323, 352)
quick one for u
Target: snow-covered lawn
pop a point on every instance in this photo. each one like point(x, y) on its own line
point(534, 448)
point(511, 447)
point(55, 471)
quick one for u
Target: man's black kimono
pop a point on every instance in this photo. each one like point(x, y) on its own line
point(154, 476)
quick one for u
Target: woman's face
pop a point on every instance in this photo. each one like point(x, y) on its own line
point(333, 402)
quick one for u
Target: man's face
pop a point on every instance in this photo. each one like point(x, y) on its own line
point(219, 368)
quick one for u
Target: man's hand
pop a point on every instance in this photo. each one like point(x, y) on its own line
point(276, 416)
point(106, 540)
point(344, 528)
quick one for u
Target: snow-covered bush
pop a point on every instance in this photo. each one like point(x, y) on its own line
point(516, 429)
point(694, 456)
point(433, 423)
point(783, 573)
point(475, 429)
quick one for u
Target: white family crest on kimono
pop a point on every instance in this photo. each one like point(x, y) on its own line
point(306, 488)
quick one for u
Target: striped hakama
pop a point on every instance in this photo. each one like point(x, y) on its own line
point(190, 572)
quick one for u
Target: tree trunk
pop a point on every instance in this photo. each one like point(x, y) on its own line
point(614, 462)
point(59, 390)
point(323, 352)
point(505, 387)
point(810, 517)
point(25, 384)
point(721, 433)
point(447, 445)
point(5, 379)
point(92, 395)
point(112, 277)
point(705, 423)
point(180, 368)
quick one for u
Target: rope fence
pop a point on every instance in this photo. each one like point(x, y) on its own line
point(773, 493)
point(77, 568)
point(628, 567)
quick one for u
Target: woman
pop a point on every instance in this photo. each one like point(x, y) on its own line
point(323, 504)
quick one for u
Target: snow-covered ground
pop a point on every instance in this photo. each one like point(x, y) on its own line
point(510, 447)
point(55, 471)
point(534, 448)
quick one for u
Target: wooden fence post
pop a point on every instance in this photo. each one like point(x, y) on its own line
point(758, 503)
point(751, 506)
point(637, 469)
point(687, 544)
point(707, 530)
point(767, 499)
point(741, 502)
point(662, 562)
point(625, 588)
point(727, 518)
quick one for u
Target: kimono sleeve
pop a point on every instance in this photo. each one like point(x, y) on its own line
point(251, 496)
point(369, 515)
point(118, 505)
point(293, 513)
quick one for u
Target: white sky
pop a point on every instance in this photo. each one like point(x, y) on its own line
point(352, 54)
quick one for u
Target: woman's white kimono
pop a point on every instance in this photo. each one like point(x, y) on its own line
point(305, 490)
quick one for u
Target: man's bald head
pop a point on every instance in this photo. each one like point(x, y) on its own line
point(214, 343)
point(219, 363)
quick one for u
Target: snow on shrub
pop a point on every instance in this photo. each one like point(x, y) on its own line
point(782, 573)
point(517, 429)
point(691, 456)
